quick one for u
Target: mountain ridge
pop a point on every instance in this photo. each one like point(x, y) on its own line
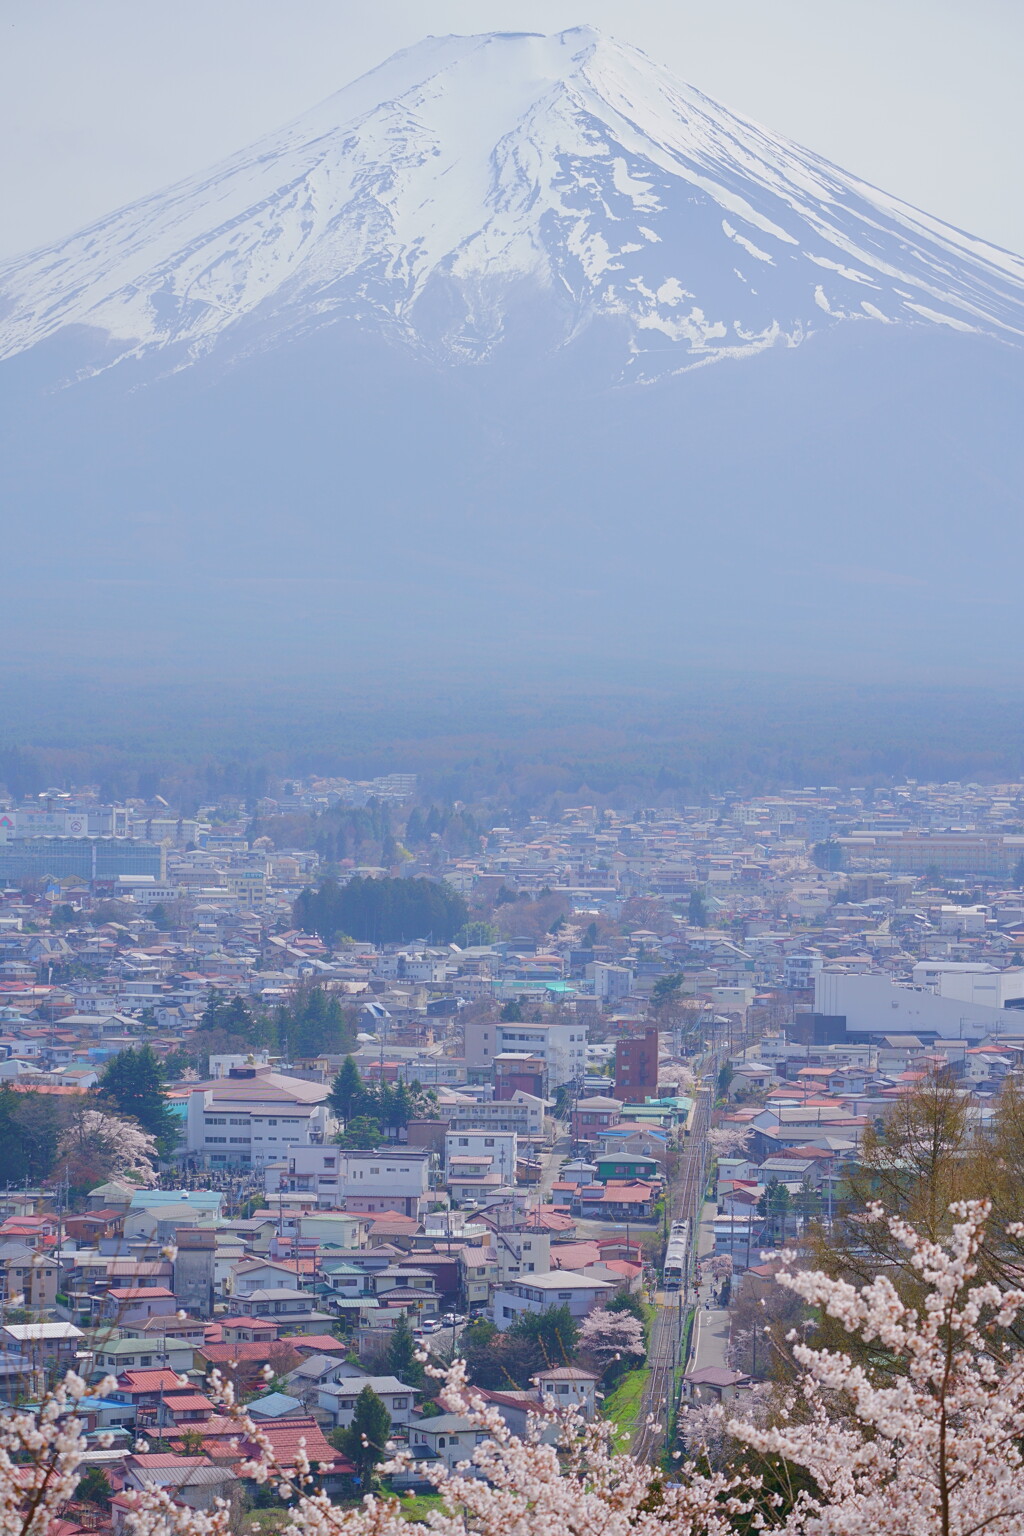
point(352, 400)
point(421, 198)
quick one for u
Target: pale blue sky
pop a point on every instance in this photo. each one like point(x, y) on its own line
point(103, 102)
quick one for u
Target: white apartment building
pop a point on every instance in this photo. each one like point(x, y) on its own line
point(252, 1116)
point(610, 981)
point(523, 1113)
point(970, 983)
point(520, 1253)
point(499, 1148)
point(874, 1004)
point(562, 1046)
point(405, 966)
point(543, 1293)
point(971, 920)
point(386, 1179)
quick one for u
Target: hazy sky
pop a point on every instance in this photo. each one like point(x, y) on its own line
point(103, 102)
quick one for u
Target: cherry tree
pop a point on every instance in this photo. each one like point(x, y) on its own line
point(679, 1077)
point(934, 1450)
point(98, 1143)
point(931, 1448)
point(609, 1336)
point(727, 1140)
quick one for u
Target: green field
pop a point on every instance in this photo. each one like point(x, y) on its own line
point(624, 1406)
point(420, 1505)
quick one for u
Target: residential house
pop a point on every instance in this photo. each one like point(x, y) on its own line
point(593, 1117)
point(338, 1398)
point(448, 1438)
point(569, 1386)
point(543, 1293)
point(115, 1356)
point(293, 1310)
point(617, 1200)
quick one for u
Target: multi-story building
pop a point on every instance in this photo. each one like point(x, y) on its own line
point(636, 1067)
point(593, 1116)
point(253, 1116)
point(478, 1271)
point(520, 1251)
point(80, 858)
point(519, 1072)
point(610, 981)
point(562, 1046)
point(499, 1148)
point(522, 1113)
point(385, 1179)
point(542, 1293)
point(248, 886)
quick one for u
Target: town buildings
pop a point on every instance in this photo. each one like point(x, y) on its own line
point(558, 1070)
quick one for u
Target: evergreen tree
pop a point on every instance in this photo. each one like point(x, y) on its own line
point(382, 911)
point(94, 1488)
point(315, 1024)
point(361, 1134)
point(415, 832)
point(382, 1105)
point(697, 910)
point(828, 855)
point(347, 1092)
point(555, 1335)
point(401, 1356)
point(625, 1301)
point(30, 1129)
point(472, 934)
point(367, 1436)
point(512, 1012)
point(232, 1017)
point(774, 1206)
point(132, 1081)
point(666, 989)
point(402, 1107)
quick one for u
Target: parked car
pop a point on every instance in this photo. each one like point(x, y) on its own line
point(452, 1319)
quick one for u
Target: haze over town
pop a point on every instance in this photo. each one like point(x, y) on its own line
point(512, 770)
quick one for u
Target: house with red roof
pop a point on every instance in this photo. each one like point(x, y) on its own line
point(288, 1436)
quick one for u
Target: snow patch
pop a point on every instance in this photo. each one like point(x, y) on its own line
point(747, 245)
point(640, 193)
point(940, 319)
point(848, 272)
point(489, 166)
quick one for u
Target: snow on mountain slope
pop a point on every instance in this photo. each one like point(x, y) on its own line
point(428, 196)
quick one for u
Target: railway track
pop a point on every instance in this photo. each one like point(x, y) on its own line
point(687, 1197)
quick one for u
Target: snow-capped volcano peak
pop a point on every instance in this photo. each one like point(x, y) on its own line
point(466, 171)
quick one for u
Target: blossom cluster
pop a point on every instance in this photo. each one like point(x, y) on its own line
point(932, 1447)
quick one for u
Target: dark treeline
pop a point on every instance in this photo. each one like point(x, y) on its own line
point(314, 1023)
point(621, 745)
point(382, 911)
point(46, 1136)
point(375, 1112)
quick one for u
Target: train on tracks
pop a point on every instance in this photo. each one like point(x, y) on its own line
point(677, 1256)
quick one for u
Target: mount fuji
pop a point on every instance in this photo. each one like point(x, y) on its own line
point(424, 197)
point(397, 347)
